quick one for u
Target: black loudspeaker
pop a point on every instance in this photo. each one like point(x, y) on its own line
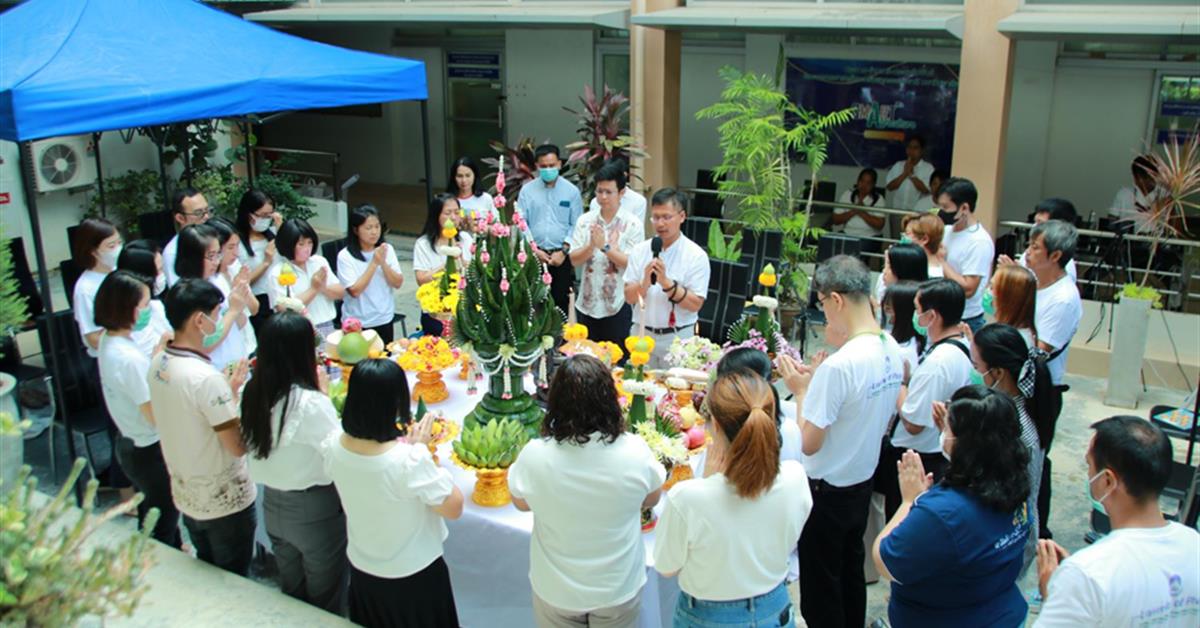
point(832, 244)
point(707, 204)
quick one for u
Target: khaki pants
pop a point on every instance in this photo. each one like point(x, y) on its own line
point(619, 616)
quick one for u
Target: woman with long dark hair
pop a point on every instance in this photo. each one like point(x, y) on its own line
point(1018, 370)
point(286, 417)
point(256, 221)
point(241, 341)
point(466, 185)
point(1012, 296)
point(122, 310)
point(198, 256)
point(586, 481)
point(395, 499)
point(370, 272)
point(432, 248)
point(953, 551)
point(728, 573)
point(902, 262)
point(898, 307)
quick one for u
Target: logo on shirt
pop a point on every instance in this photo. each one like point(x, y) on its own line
point(1176, 585)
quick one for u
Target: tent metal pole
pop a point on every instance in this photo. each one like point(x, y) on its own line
point(425, 144)
point(39, 252)
point(162, 170)
point(99, 173)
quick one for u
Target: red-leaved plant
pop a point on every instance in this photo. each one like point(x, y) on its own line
point(602, 136)
point(520, 166)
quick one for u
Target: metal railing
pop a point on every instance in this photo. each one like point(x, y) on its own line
point(332, 175)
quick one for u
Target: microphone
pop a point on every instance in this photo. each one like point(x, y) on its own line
point(655, 249)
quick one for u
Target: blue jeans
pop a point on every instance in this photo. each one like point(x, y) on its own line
point(975, 322)
point(769, 609)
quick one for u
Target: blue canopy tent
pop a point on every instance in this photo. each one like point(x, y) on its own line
point(84, 66)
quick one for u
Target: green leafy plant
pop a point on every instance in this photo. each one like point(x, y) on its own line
point(14, 307)
point(1142, 293)
point(192, 142)
point(602, 136)
point(127, 196)
point(520, 167)
point(760, 131)
point(491, 446)
point(721, 249)
point(52, 574)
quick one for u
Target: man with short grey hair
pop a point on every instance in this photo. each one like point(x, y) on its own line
point(844, 403)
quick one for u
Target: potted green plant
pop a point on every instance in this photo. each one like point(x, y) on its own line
point(761, 133)
point(13, 315)
point(519, 166)
point(1176, 173)
point(54, 574)
point(602, 136)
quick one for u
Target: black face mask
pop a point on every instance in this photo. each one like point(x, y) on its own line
point(947, 217)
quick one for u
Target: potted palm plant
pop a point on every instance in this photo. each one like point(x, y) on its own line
point(761, 133)
point(1176, 173)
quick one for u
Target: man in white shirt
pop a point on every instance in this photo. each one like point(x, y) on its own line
point(196, 408)
point(1146, 572)
point(944, 368)
point(672, 284)
point(1140, 197)
point(601, 244)
point(907, 180)
point(1052, 209)
point(632, 203)
point(1058, 306)
point(552, 205)
point(188, 207)
point(969, 249)
point(845, 402)
point(860, 222)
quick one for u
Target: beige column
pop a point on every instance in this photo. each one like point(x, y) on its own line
point(984, 86)
point(654, 78)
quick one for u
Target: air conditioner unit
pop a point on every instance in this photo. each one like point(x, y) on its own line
point(61, 163)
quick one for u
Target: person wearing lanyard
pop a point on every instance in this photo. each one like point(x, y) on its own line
point(672, 284)
point(601, 244)
point(942, 369)
point(844, 403)
point(551, 206)
point(189, 207)
point(967, 248)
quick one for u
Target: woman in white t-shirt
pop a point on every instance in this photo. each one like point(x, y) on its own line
point(586, 558)
point(256, 216)
point(396, 499)
point(926, 230)
point(1012, 299)
point(907, 180)
point(432, 249)
point(144, 259)
point(123, 309)
point(464, 183)
point(369, 271)
point(95, 250)
point(199, 256)
point(286, 418)
point(709, 530)
point(315, 288)
point(230, 273)
point(859, 222)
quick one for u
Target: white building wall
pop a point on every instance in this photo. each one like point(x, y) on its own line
point(546, 70)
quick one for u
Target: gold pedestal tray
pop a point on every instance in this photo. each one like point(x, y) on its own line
point(430, 387)
point(491, 485)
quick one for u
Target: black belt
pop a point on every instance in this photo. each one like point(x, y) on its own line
point(821, 486)
point(662, 331)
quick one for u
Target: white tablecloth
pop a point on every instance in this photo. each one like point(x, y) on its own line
point(488, 548)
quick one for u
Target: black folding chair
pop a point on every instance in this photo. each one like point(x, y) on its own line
point(158, 226)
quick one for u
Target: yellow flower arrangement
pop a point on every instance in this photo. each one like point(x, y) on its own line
point(767, 277)
point(430, 297)
point(575, 331)
point(287, 276)
point(429, 353)
point(614, 352)
point(449, 230)
point(640, 348)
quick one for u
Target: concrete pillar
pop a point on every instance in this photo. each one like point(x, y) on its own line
point(984, 86)
point(654, 57)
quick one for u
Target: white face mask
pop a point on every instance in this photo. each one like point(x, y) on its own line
point(160, 284)
point(261, 224)
point(109, 257)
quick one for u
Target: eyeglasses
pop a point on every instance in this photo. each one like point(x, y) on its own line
point(212, 257)
point(603, 192)
point(199, 213)
point(820, 303)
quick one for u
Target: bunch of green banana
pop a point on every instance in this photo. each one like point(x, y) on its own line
point(491, 446)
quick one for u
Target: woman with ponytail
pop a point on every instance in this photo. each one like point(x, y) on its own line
point(710, 530)
point(1010, 366)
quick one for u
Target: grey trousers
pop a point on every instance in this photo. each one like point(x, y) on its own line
point(619, 616)
point(308, 532)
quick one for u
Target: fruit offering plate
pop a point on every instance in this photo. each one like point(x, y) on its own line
point(466, 466)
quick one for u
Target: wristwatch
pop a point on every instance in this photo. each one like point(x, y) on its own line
point(566, 248)
point(605, 249)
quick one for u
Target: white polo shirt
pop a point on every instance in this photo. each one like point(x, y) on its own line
point(586, 552)
point(971, 252)
point(84, 304)
point(191, 399)
point(686, 263)
point(853, 395)
point(426, 258)
point(123, 369)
